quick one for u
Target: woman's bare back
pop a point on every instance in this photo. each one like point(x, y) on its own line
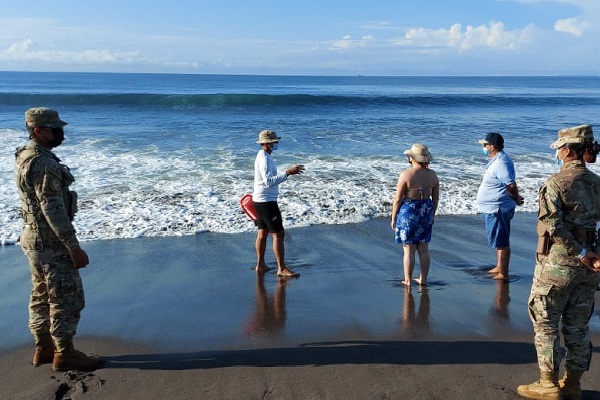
point(420, 183)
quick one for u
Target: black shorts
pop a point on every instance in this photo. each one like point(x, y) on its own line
point(269, 216)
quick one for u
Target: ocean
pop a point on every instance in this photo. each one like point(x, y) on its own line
point(171, 155)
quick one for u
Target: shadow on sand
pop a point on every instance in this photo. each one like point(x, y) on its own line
point(343, 352)
point(335, 353)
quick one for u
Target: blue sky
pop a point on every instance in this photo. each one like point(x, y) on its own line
point(308, 37)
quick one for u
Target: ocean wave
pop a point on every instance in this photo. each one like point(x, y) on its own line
point(287, 100)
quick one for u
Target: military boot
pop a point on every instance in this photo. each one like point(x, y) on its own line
point(44, 350)
point(71, 359)
point(570, 385)
point(544, 389)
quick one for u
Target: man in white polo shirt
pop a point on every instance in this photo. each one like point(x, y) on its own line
point(497, 198)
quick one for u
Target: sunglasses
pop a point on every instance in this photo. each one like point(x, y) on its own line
point(54, 130)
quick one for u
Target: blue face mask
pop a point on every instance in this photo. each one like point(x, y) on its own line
point(558, 161)
point(485, 151)
point(275, 146)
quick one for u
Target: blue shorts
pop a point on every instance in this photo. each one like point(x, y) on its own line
point(497, 226)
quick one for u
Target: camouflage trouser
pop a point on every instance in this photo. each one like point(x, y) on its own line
point(562, 293)
point(57, 295)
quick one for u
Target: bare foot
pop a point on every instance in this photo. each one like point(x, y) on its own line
point(494, 271)
point(406, 283)
point(287, 273)
point(501, 277)
point(420, 282)
point(261, 268)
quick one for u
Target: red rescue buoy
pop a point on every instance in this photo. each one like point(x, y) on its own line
point(248, 207)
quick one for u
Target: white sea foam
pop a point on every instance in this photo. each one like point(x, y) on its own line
point(126, 194)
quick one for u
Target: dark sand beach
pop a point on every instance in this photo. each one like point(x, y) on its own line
point(187, 318)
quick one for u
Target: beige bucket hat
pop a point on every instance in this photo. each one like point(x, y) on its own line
point(419, 153)
point(267, 136)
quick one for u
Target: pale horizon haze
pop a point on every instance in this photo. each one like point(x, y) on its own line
point(429, 37)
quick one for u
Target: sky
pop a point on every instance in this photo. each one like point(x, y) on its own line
point(303, 37)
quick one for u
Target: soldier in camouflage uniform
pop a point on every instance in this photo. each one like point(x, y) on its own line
point(567, 271)
point(48, 240)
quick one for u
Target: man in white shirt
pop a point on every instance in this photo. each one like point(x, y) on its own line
point(266, 190)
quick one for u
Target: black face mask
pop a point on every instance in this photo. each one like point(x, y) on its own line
point(58, 135)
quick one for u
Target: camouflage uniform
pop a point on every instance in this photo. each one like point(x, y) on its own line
point(563, 288)
point(48, 207)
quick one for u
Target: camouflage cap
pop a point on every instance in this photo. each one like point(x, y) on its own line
point(267, 136)
point(576, 134)
point(42, 116)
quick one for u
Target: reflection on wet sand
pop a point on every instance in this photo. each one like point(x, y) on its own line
point(501, 300)
point(415, 321)
point(269, 315)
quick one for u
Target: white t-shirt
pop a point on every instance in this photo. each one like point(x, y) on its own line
point(266, 178)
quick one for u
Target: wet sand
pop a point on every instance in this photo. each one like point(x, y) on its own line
point(187, 318)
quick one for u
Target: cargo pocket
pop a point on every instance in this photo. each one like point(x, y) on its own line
point(557, 275)
point(541, 289)
point(31, 239)
point(538, 301)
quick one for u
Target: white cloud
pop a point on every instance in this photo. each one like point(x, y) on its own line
point(493, 36)
point(455, 37)
point(343, 44)
point(347, 42)
point(573, 26)
point(59, 47)
point(30, 50)
point(20, 47)
point(589, 11)
point(378, 25)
